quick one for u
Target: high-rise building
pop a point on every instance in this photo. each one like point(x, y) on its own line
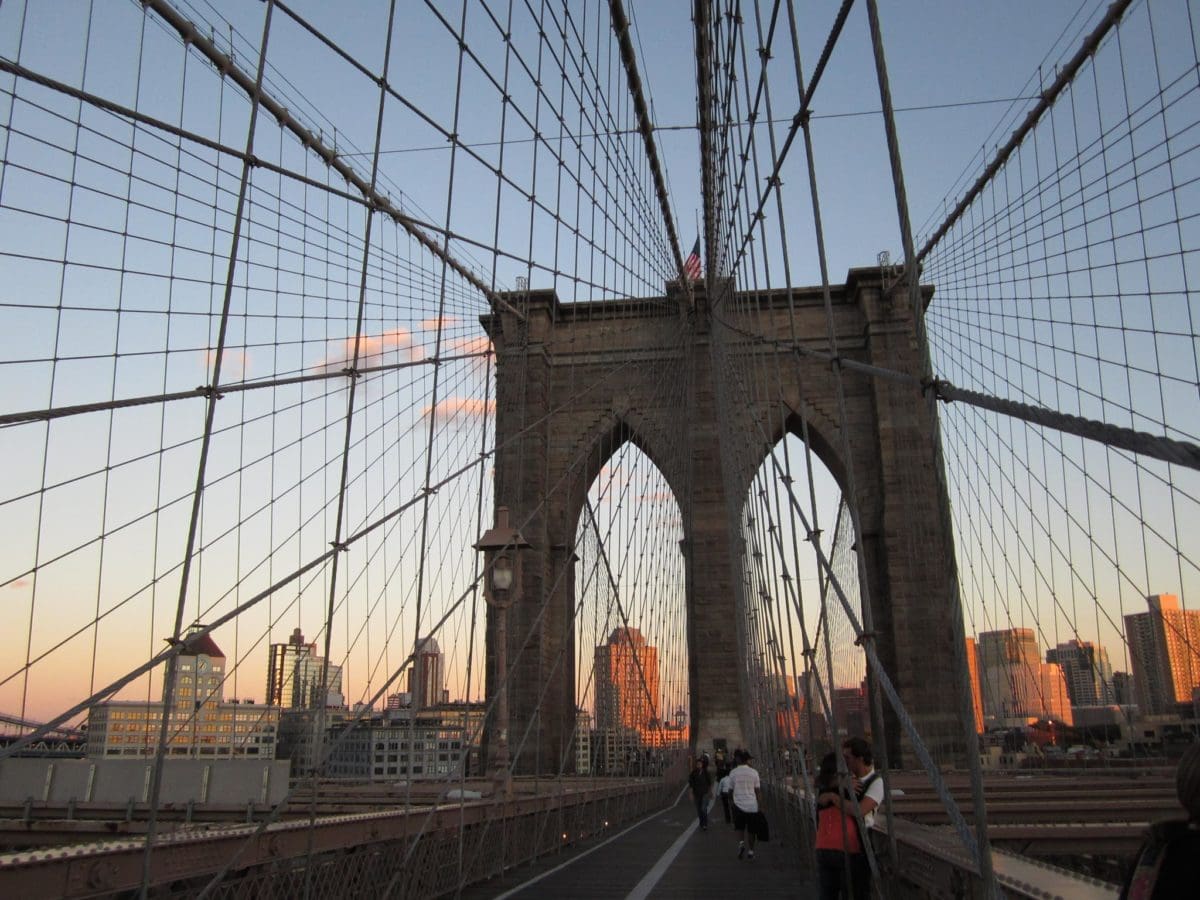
point(202, 723)
point(976, 690)
point(1124, 693)
point(294, 676)
point(1016, 685)
point(427, 676)
point(1164, 647)
point(626, 682)
point(583, 742)
point(1008, 674)
point(1087, 672)
point(1053, 694)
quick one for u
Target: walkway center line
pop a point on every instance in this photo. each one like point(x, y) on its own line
point(643, 888)
point(574, 859)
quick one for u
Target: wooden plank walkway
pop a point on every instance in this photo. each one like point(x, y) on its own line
point(706, 864)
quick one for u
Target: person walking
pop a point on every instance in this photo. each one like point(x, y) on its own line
point(748, 819)
point(725, 791)
point(700, 781)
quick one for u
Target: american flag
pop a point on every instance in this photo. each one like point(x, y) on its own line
point(691, 266)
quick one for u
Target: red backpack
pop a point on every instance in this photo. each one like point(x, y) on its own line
point(837, 831)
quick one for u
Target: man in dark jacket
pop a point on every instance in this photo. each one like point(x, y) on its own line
point(700, 781)
point(1167, 862)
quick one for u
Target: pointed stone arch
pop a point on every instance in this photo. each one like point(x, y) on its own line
point(568, 394)
point(604, 439)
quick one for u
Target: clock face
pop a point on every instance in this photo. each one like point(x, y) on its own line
point(201, 664)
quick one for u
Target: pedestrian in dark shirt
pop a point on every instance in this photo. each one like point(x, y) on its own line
point(700, 781)
point(1168, 863)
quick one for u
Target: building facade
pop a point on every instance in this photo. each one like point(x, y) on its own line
point(627, 684)
point(583, 742)
point(976, 689)
point(1087, 672)
point(426, 744)
point(427, 675)
point(1016, 686)
point(1164, 649)
point(294, 676)
point(201, 723)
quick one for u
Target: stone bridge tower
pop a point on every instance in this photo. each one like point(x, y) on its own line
point(575, 381)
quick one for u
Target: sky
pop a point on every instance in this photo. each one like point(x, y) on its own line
point(84, 304)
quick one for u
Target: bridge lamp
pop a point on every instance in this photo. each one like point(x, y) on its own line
point(501, 584)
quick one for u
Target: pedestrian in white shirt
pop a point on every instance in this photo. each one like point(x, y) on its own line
point(748, 819)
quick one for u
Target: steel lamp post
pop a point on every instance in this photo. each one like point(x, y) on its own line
point(501, 548)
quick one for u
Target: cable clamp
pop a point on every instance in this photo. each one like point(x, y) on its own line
point(864, 638)
point(339, 546)
point(351, 372)
point(210, 392)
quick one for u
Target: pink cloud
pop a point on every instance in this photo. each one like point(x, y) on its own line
point(373, 350)
point(468, 407)
point(432, 324)
point(235, 363)
point(18, 583)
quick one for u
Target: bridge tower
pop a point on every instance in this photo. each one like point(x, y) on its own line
point(575, 381)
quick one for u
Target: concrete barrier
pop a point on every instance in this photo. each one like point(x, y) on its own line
point(226, 782)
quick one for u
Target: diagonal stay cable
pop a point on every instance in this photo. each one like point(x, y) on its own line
point(1064, 80)
point(1170, 450)
point(620, 25)
point(193, 36)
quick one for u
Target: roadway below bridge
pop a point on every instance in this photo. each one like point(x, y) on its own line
point(1090, 821)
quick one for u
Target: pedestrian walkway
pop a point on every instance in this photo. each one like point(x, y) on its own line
point(666, 856)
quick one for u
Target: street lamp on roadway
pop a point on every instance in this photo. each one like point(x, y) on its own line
point(501, 585)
